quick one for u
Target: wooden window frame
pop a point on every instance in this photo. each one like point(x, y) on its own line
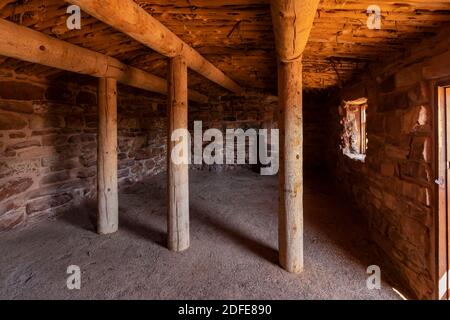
point(361, 115)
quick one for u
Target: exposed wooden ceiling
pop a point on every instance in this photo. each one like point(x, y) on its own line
point(237, 36)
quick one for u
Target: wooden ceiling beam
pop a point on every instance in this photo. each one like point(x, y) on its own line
point(32, 46)
point(129, 18)
point(239, 38)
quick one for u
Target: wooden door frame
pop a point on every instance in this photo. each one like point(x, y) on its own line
point(436, 72)
point(442, 201)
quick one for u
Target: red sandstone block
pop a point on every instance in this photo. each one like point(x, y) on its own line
point(75, 121)
point(47, 121)
point(393, 101)
point(86, 173)
point(419, 94)
point(24, 145)
point(20, 91)
point(409, 76)
point(415, 232)
point(14, 187)
point(12, 219)
point(416, 170)
point(416, 192)
point(416, 119)
point(396, 152)
point(387, 169)
point(12, 121)
point(86, 98)
point(17, 106)
point(390, 201)
point(47, 202)
point(55, 177)
point(17, 135)
point(59, 93)
point(421, 149)
point(54, 140)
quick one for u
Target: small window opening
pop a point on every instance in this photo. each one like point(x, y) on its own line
point(354, 136)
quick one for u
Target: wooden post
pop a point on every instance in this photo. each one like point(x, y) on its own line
point(291, 166)
point(178, 174)
point(108, 203)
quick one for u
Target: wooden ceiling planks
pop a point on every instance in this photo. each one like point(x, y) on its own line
point(237, 36)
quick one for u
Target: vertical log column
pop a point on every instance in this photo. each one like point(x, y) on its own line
point(178, 174)
point(292, 23)
point(108, 203)
point(291, 165)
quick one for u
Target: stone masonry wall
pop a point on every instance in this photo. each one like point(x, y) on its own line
point(394, 187)
point(48, 140)
point(252, 111)
point(48, 146)
point(260, 111)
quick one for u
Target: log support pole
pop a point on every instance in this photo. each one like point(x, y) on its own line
point(292, 23)
point(177, 166)
point(291, 166)
point(108, 204)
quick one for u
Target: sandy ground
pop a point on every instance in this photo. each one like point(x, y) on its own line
point(233, 252)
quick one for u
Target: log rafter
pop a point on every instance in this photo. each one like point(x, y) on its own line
point(339, 32)
point(32, 46)
point(129, 18)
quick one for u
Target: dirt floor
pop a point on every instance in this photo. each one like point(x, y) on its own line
point(233, 252)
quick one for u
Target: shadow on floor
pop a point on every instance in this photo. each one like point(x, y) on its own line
point(237, 236)
point(84, 217)
point(234, 255)
point(346, 228)
point(332, 217)
point(143, 230)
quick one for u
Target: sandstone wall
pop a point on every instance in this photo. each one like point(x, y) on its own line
point(394, 187)
point(251, 111)
point(48, 146)
point(260, 111)
point(48, 140)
